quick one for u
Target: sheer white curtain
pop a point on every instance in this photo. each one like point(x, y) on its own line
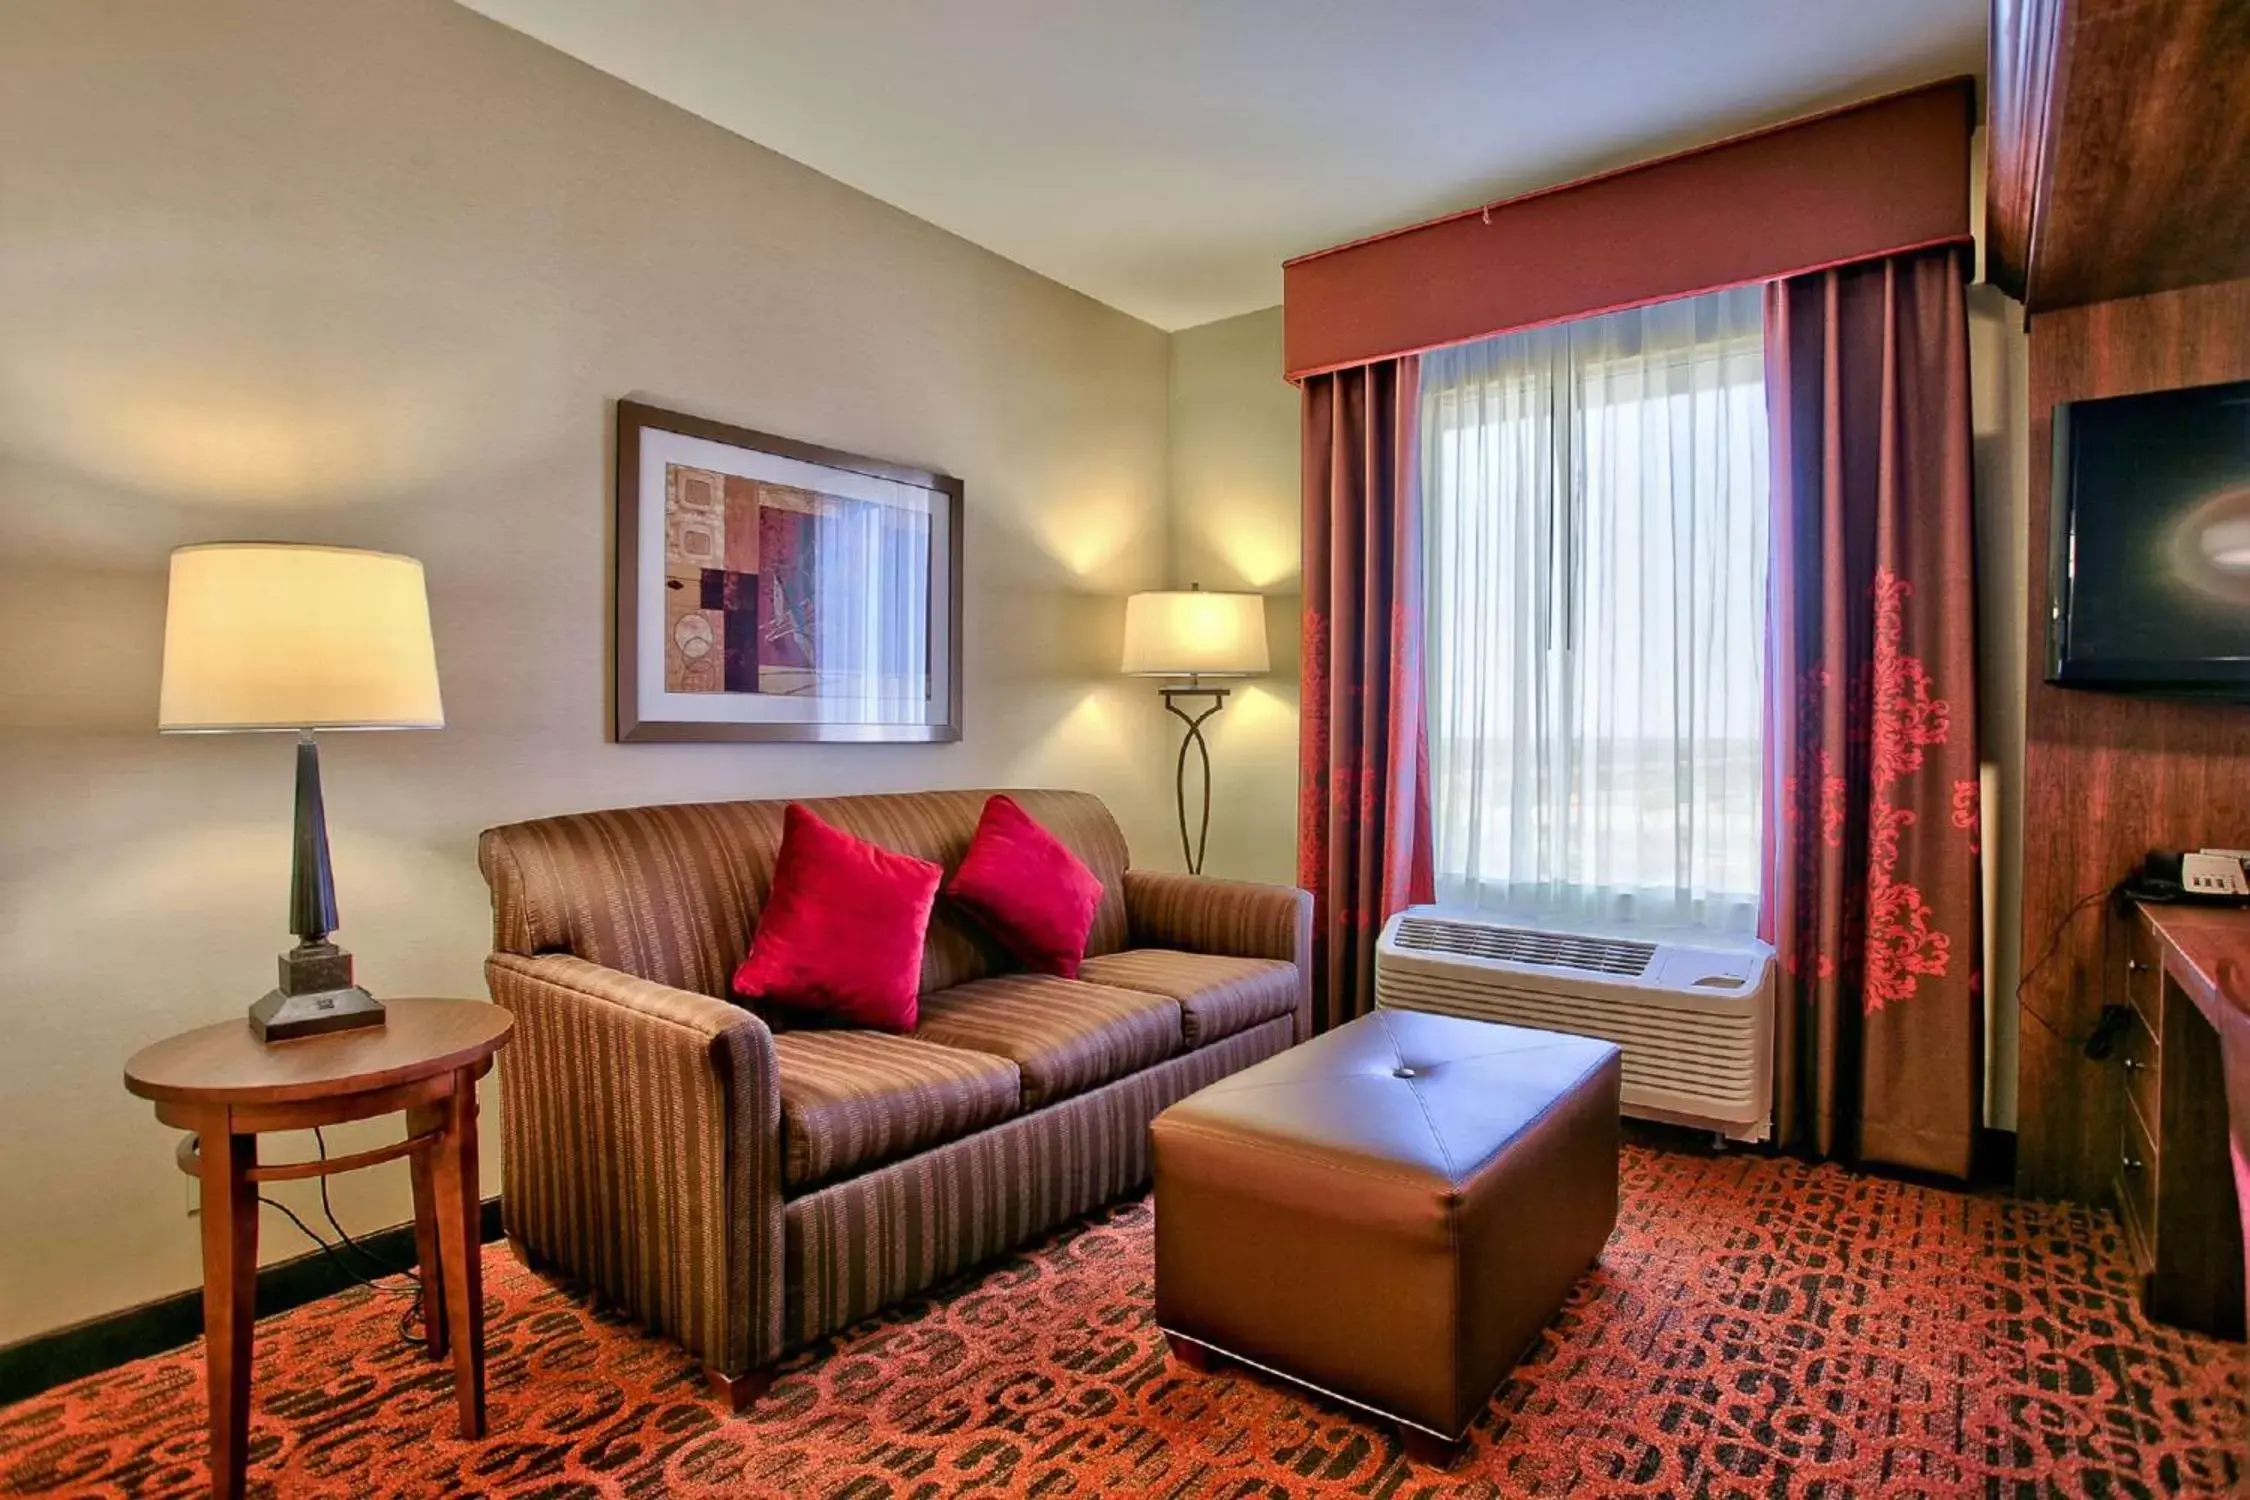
point(1594, 502)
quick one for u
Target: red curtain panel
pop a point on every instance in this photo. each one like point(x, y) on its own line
point(1364, 818)
point(1872, 898)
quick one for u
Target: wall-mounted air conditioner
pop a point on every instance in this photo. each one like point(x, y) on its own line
point(1694, 1019)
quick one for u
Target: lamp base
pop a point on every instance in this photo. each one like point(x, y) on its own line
point(1192, 850)
point(316, 996)
point(285, 1018)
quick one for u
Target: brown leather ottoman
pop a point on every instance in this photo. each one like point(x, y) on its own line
point(1389, 1213)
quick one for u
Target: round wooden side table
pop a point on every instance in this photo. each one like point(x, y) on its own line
point(223, 1084)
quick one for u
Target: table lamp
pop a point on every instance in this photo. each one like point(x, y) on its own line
point(1193, 635)
point(276, 636)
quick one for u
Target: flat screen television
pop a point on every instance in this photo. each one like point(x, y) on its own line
point(2149, 562)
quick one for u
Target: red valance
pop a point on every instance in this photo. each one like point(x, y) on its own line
point(1870, 179)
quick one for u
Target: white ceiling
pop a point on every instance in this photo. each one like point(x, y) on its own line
point(1165, 156)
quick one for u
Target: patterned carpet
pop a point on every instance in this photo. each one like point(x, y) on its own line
point(1757, 1327)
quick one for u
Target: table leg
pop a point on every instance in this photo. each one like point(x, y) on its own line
point(230, 1295)
point(423, 1119)
point(453, 1170)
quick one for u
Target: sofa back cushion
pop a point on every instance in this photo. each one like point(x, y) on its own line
point(671, 893)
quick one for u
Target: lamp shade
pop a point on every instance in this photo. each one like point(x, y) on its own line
point(267, 635)
point(1195, 634)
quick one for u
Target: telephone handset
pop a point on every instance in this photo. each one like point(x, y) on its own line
point(2220, 876)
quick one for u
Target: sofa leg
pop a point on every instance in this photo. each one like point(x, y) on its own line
point(1428, 1448)
point(738, 1392)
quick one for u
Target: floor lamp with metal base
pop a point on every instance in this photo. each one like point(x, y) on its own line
point(1193, 635)
point(1193, 739)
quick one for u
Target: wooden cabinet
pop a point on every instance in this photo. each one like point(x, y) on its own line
point(2174, 1177)
point(2140, 1058)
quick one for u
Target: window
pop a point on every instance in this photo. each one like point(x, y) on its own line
point(1594, 505)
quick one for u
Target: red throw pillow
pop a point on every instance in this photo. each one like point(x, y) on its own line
point(1027, 889)
point(842, 932)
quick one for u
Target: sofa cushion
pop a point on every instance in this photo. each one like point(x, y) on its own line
point(856, 1099)
point(842, 933)
point(1218, 996)
point(1064, 1036)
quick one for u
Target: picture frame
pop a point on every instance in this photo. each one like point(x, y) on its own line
point(770, 589)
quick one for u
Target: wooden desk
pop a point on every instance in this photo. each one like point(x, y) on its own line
point(227, 1087)
point(2187, 977)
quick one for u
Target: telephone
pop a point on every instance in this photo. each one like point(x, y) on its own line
point(2221, 876)
point(2215, 875)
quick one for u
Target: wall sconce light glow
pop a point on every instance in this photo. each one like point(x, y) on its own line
point(232, 369)
point(1090, 530)
point(1256, 550)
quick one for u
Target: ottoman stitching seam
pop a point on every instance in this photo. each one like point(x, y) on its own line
point(1437, 1138)
point(1429, 1121)
point(1453, 1262)
point(1562, 1097)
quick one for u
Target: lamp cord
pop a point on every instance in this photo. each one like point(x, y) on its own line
point(2054, 944)
point(408, 1321)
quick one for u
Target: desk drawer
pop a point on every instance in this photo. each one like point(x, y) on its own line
point(2136, 1189)
point(2140, 1057)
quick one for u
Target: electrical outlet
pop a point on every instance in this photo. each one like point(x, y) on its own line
point(194, 1197)
point(189, 1161)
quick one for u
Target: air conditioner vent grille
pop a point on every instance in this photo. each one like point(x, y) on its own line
point(1520, 945)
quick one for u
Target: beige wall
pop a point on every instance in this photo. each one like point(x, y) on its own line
point(1235, 526)
point(2001, 426)
point(372, 274)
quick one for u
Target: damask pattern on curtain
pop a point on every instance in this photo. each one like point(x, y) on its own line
point(1872, 896)
point(1363, 825)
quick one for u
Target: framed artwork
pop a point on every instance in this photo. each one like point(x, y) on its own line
point(773, 590)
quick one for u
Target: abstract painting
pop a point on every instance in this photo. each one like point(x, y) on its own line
point(768, 589)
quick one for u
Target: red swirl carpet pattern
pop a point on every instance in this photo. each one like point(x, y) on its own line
point(1757, 1327)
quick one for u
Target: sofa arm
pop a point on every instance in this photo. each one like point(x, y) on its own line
point(1238, 918)
point(640, 1150)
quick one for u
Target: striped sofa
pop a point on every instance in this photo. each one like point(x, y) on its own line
point(746, 1190)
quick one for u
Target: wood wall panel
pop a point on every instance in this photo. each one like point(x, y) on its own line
point(2119, 147)
point(2021, 63)
point(2107, 777)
